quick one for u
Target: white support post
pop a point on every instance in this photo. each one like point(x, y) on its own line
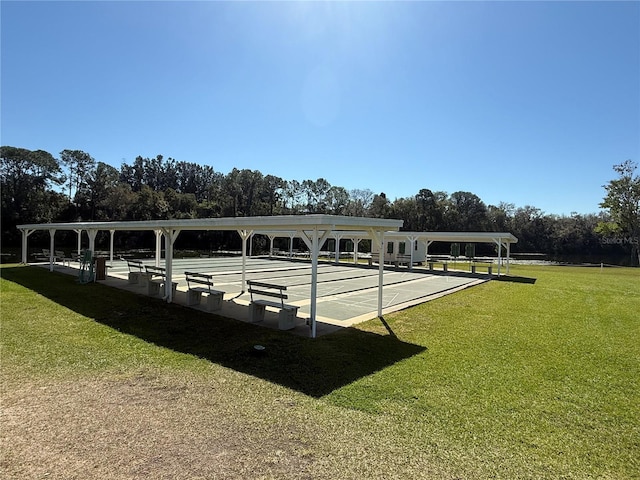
point(271, 238)
point(499, 255)
point(313, 242)
point(251, 245)
point(337, 237)
point(378, 237)
point(169, 239)
point(25, 245)
point(380, 272)
point(355, 241)
point(315, 247)
point(112, 233)
point(244, 234)
point(412, 242)
point(92, 240)
point(158, 246)
point(508, 256)
point(52, 234)
point(79, 233)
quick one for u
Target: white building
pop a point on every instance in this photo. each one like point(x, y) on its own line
point(411, 248)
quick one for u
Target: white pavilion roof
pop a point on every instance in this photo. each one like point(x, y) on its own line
point(267, 223)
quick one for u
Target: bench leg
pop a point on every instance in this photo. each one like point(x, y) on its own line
point(193, 297)
point(473, 269)
point(153, 288)
point(143, 279)
point(489, 270)
point(256, 312)
point(214, 302)
point(287, 319)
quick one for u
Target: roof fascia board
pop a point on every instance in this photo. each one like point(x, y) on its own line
point(456, 236)
point(275, 223)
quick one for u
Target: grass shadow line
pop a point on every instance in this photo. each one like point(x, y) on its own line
point(515, 279)
point(315, 367)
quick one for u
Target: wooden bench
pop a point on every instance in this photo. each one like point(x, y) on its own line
point(156, 278)
point(58, 255)
point(373, 258)
point(432, 262)
point(403, 259)
point(74, 257)
point(136, 269)
point(44, 256)
point(257, 307)
point(475, 263)
point(194, 293)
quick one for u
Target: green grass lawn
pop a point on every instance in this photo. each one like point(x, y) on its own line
point(535, 376)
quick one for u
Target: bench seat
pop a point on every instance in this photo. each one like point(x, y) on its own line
point(156, 278)
point(257, 307)
point(194, 293)
point(136, 272)
point(155, 284)
point(286, 316)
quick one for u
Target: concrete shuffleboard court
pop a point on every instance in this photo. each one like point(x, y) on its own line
point(314, 231)
point(346, 294)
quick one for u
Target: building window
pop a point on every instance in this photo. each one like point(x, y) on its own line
point(390, 247)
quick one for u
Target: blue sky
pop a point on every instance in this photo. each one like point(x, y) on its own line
point(530, 103)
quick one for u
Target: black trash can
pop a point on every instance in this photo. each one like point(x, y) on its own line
point(101, 268)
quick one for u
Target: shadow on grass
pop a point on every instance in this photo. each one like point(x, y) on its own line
point(314, 367)
point(510, 278)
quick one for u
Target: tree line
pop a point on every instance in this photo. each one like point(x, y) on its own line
point(38, 187)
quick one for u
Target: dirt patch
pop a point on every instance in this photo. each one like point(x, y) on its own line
point(143, 427)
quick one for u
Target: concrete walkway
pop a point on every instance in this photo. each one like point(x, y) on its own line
point(347, 293)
